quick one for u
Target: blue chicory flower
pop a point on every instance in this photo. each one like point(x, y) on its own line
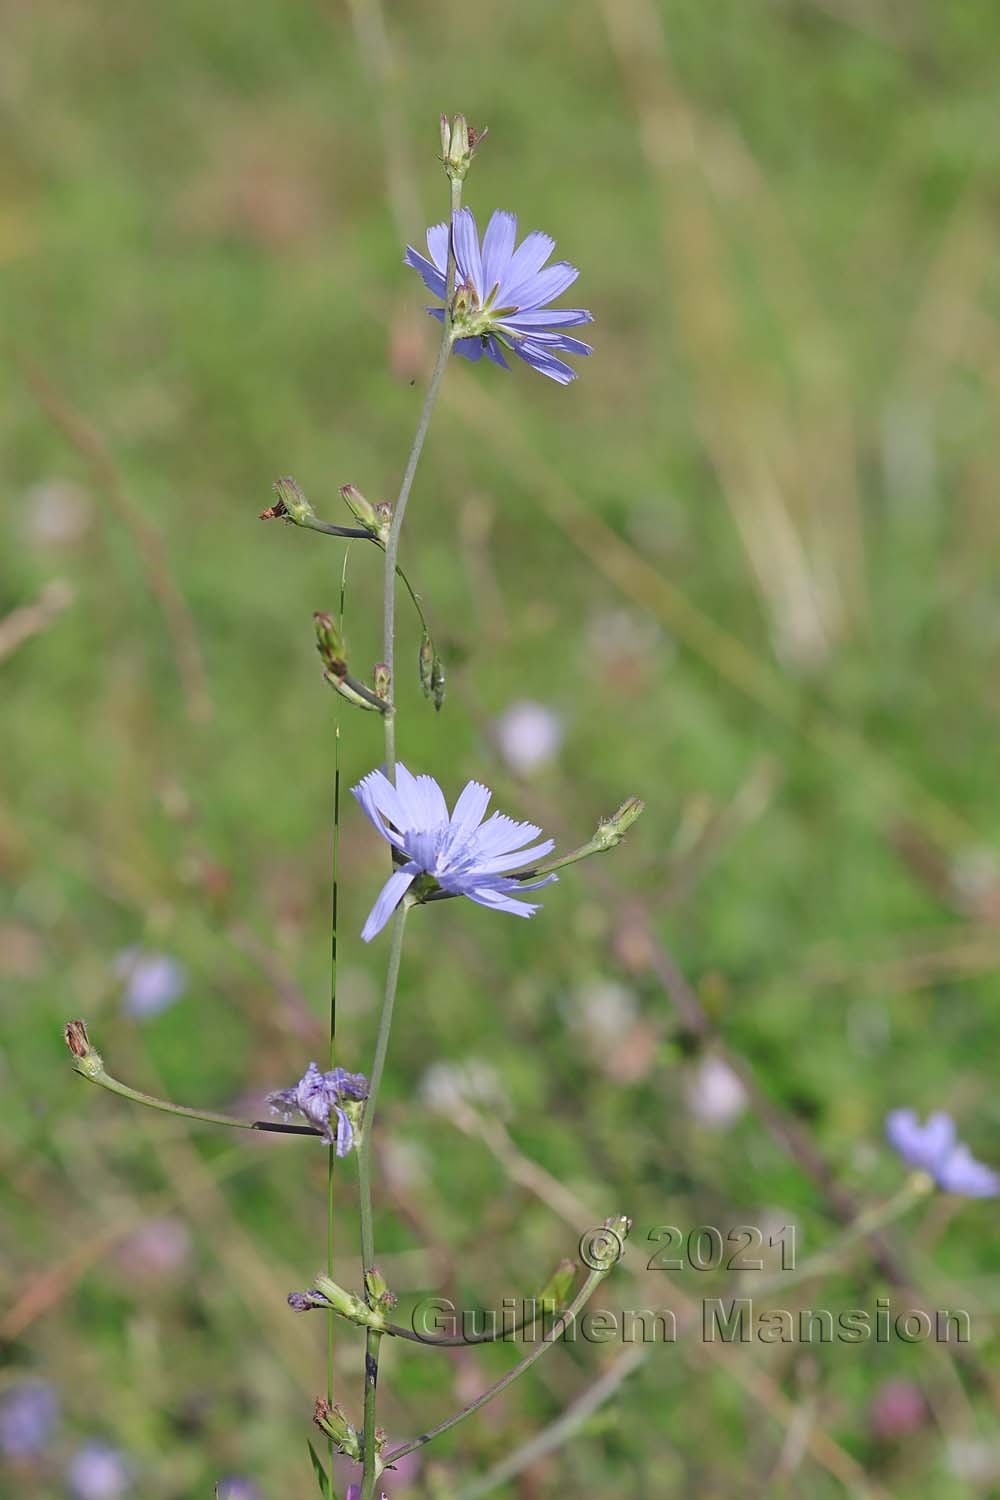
point(501, 293)
point(98, 1472)
point(28, 1416)
point(464, 855)
point(317, 1096)
point(935, 1148)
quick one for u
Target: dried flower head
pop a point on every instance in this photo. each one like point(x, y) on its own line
point(320, 1098)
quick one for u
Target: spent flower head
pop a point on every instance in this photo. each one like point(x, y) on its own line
point(459, 853)
point(321, 1098)
point(501, 294)
point(934, 1148)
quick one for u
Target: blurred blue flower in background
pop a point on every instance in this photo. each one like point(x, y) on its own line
point(98, 1472)
point(153, 982)
point(935, 1148)
point(28, 1416)
point(500, 293)
point(237, 1488)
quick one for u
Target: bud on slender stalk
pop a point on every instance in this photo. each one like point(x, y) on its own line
point(379, 1294)
point(459, 142)
point(383, 521)
point(77, 1040)
point(426, 662)
point(381, 678)
point(332, 1422)
point(612, 830)
point(291, 503)
point(361, 509)
point(438, 683)
point(86, 1058)
point(349, 1306)
point(330, 644)
point(555, 1293)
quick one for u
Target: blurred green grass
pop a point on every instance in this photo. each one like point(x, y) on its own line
point(754, 545)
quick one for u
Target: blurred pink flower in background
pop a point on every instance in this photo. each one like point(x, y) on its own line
point(715, 1095)
point(98, 1472)
point(898, 1409)
point(528, 736)
point(56, 513)
point(152, 982)
point(155, 1251)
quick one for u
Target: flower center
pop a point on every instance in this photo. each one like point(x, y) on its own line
point(471, 318)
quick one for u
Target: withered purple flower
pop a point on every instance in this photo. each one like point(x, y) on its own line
point(320, 1098)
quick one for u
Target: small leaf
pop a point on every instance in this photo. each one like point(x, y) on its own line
point(322, 1477)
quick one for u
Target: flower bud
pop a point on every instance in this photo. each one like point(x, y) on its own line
point(383, 520)
point(361, 509)
point(347, 1305)
point(381, 677)
point(620, 1226)
point(77, 1040)
point(379, 1294)
point(426, 664)
point(291, 503)
point(86, 1059)
point(611, 831)
point(438, 682)
point(458, 145)
point(555, 1293)
point(332, 1421)
point(330, 644)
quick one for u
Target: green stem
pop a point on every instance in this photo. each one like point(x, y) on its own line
point(332, 1156)
point(558, 1328)
point(313, 523)
point(559, 1431)
point(91, 1067)
point(399, 509)
point(914, 1190)
point(374, 1338)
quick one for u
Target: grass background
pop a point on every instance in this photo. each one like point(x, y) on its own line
point(750, 558)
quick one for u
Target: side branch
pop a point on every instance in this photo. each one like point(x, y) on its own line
point(620, 1226)
point(89, 1063)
